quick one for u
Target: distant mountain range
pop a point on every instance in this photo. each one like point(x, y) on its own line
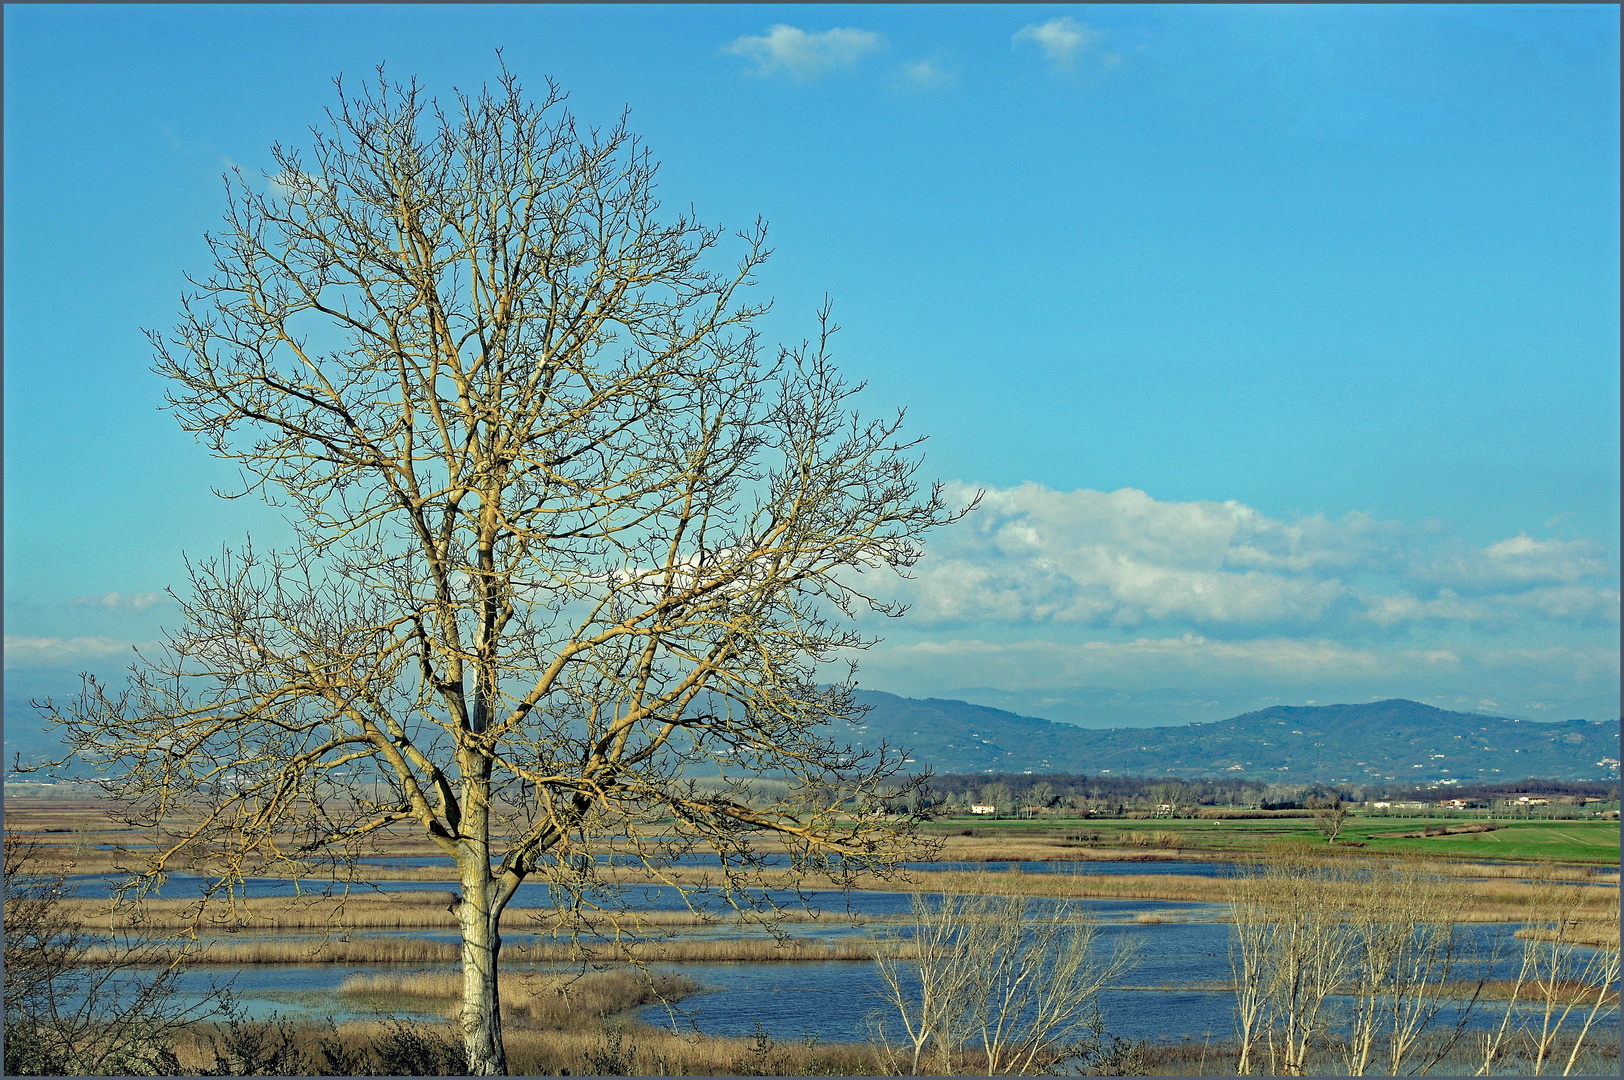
point(1111, 707)
point(1394, 741)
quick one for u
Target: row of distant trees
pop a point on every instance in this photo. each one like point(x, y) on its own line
point(1063, 791)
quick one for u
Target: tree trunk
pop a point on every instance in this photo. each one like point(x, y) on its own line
point(481, 1004)
point(480, 914)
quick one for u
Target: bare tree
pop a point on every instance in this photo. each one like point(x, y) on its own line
point(563, 527)
point(1330, 814)
point(1374, 952)
point(997, 794)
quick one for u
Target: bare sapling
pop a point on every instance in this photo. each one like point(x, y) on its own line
point(990, 975)
point(928, 971)
point(1292, 951)
point(1564, 975)
point(1249, 934)
point(1408, 966)
point(81, 1003)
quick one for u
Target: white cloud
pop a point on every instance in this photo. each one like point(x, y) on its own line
point(23, 651)
point(122, 602)
point(788, 50)
point(1258, 668)
point(1577, 602)
point(1125, 559)
point(1517, 560)
point(1403, 607)
point(1061, 40)
point(1147, 662)
point(1567, 603)
point(931, 74)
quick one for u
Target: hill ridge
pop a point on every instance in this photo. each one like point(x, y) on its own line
point(1394, 740)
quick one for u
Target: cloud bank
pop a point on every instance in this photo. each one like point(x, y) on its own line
point(1123, 559)
point(1044, 589)
point(24, 651)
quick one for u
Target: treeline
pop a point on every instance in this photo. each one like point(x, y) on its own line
point(1007, 790)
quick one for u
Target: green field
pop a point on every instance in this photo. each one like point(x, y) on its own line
point(1523, 841)
point(1558, 841)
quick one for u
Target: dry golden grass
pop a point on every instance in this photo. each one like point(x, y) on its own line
point(1500, 900)
point(1587, 932)
point(1503, 897)
point(415, 910)
point(1154, 918)
point(658, 1052)
point(661, 1052)
point(363, 949)
point(648, 1051)
point(547, 1000)
point(75, 827)
point(1565, 993)
point(726, 951)
point(379, 949)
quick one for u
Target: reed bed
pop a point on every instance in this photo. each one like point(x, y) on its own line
point(727, 951)
point(643, 1051)
point(378, 949)
point(1565, 993)
point(359, 910)
point(364, 949)
point(1498, 900)
point(1155, 918)
point(1589, 932)
point(650, 1051)
point(545, 999)
point(1574, 992)
point(391, 911)
point(1504, 895)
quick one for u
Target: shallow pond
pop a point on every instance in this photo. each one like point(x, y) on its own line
point(1182, 953)
point(1166, 996)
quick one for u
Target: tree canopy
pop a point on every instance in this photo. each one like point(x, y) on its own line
point(565, 527)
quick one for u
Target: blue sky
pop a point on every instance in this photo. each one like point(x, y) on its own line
point(1285, 341)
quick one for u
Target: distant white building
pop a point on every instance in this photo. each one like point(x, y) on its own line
point(979, 808)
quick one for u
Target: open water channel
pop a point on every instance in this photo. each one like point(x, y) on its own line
point(1171, 993)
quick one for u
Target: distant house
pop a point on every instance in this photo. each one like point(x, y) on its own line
point(1453, 804)
point(1534, 800)
point(980, 808)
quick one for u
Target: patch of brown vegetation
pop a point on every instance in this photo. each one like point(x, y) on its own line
point(549, 1000)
